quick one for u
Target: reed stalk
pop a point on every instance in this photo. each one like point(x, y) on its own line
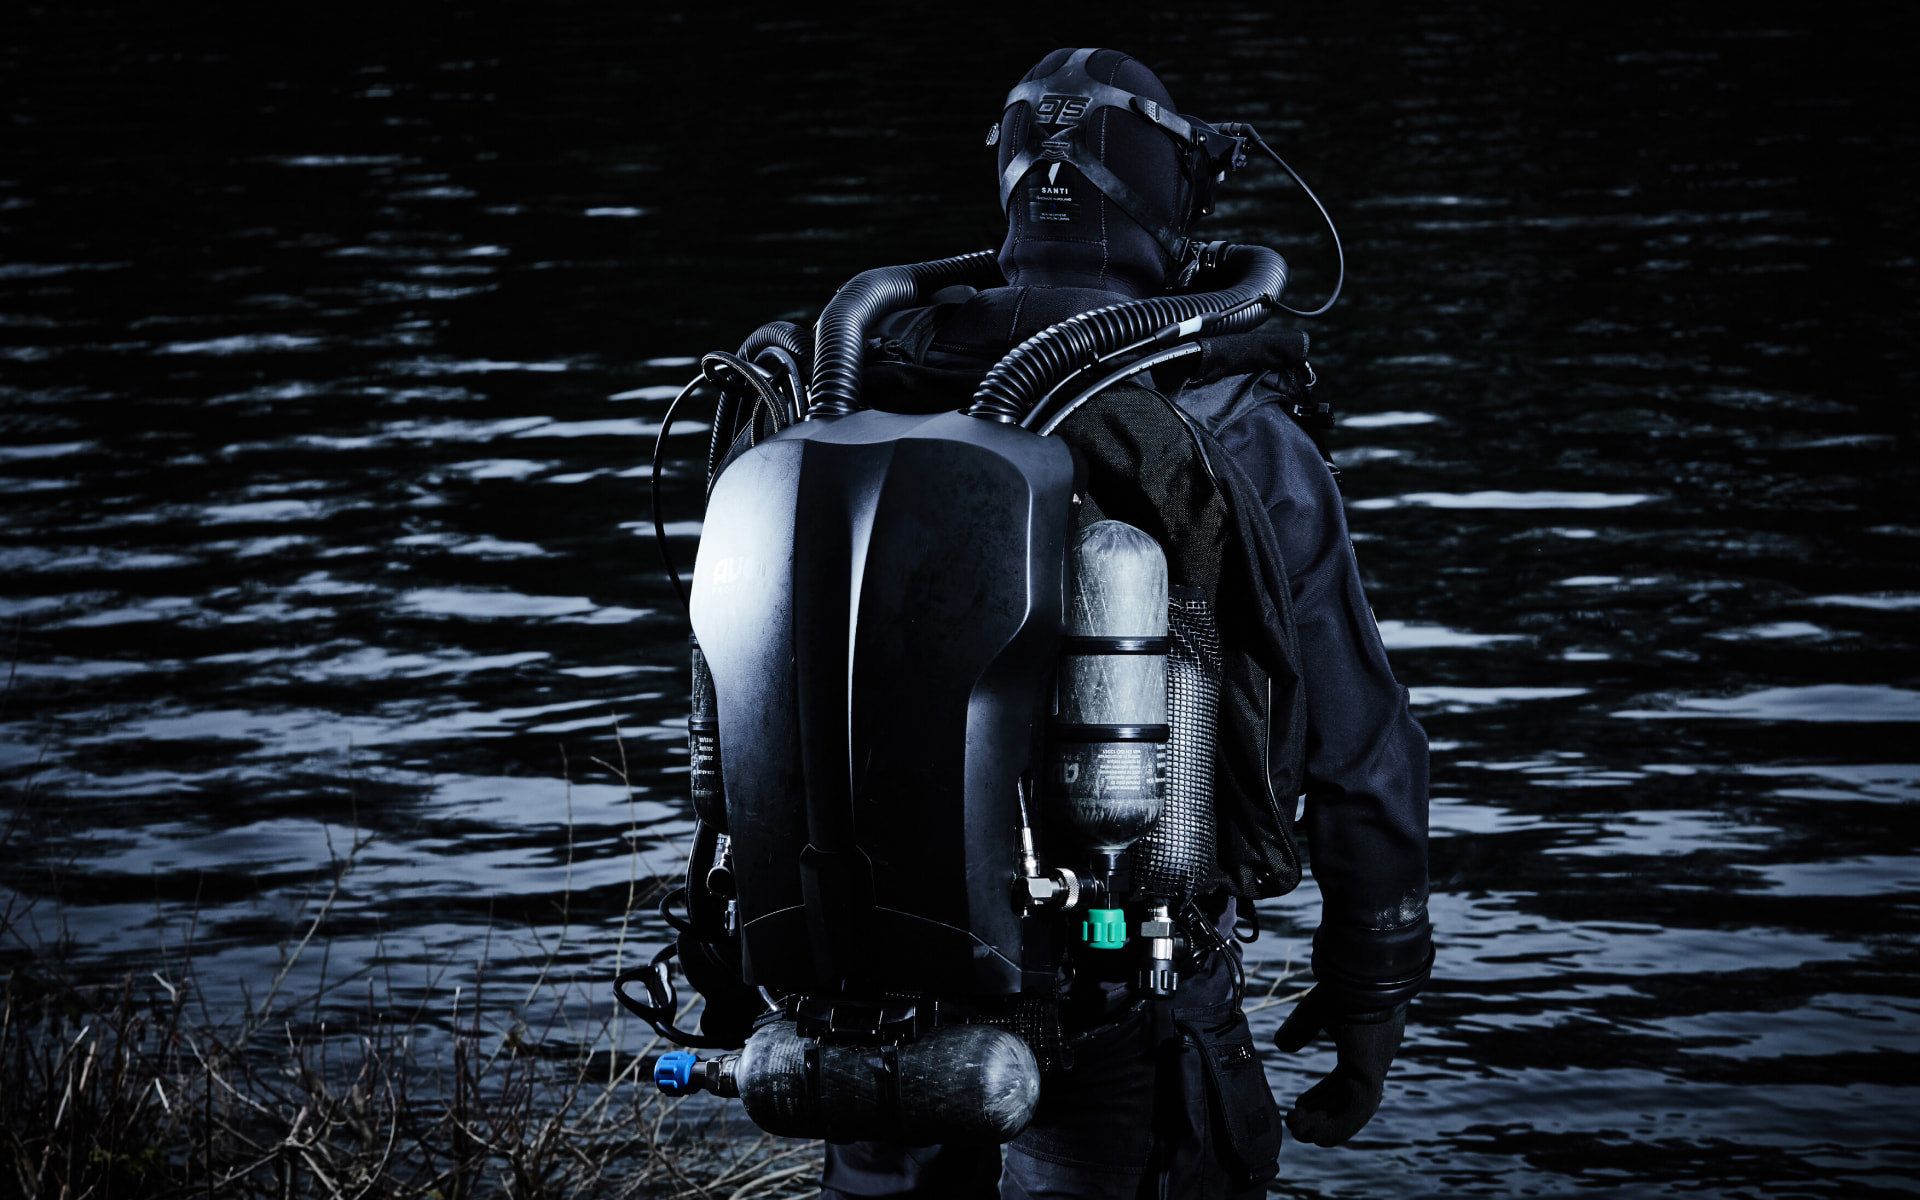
point(140, 1088)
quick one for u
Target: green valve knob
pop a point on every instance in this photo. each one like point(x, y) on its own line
point(1104, 928)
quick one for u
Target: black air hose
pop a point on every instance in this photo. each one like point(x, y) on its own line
point(783, 334)
point(784, 343)
point(1254, 275)
point(839, 341)
point(780, 363)
point(777, 335)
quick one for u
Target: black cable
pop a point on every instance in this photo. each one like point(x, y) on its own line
point(1194, 915)
point(662, 1004)
point(679, 924)
point(796, 385)
point(1233, 962)
point(794, 354)
point(1237, 129)
point(725, 369)
point(1056, 413)
point(659, 522)
point(796, 342)
point(1046, 414)
point(1252, 917)
point(725, 418)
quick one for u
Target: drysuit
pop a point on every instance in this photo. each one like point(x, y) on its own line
point(1136, 1108)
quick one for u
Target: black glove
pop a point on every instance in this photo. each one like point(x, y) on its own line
point(731, 1004)
point(1340, 1105)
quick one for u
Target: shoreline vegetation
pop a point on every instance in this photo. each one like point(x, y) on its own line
point(137, 1087)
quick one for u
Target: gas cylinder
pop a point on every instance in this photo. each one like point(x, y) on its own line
point(1107, 745)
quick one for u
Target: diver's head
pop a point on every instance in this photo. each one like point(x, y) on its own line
point(1101, 179)
point(1097, 182)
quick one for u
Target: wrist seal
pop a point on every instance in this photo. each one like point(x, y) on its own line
point(1384, 973)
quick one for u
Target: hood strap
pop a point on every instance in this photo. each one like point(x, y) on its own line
point(1067, 99)
point(1082, 93)
point(1067, 147)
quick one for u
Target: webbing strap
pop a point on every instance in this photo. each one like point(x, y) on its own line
point(1070, 150)
point(1071, 84)
point(1130, 202)
point(1017, 169)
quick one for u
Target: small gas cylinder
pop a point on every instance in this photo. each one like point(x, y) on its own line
point(973, 1084)
point(1107, 745)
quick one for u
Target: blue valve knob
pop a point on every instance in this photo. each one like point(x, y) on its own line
point(673, 1072)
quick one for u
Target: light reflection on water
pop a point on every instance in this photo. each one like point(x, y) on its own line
point(325, 517)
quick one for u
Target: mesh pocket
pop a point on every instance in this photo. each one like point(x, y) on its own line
point(1176, 857)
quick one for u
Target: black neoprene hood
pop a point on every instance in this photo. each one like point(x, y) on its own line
point(1062, 231)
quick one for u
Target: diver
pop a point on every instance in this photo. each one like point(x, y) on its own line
point(1146, 1087)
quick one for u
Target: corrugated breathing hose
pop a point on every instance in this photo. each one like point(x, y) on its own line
point(840, 339)
point(1254, 276)
point(776, 338)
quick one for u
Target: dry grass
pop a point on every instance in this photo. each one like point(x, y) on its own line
point(140, 1089)
point(114, 1093)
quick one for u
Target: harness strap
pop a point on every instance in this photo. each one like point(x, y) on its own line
point(1069, 97)
point(1067, 147)
point(1072, 83)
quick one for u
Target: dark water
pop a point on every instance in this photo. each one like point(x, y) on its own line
point(331, 358)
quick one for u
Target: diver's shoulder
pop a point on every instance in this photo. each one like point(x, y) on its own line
point(1253, 417)
point(1254, 398)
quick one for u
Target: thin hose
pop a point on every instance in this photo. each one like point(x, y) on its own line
point(796, 391)
point(653, 485)
point(1255, 278)
point(725, 415)
point(1340, 252)
point(787, 342)
point(1126, 370)
point(1048, 411)
point(783, 336)
point(727, 370)
point(716, 368)
point(840, 339)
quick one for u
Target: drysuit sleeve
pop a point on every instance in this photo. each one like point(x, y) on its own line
point(1366, 757)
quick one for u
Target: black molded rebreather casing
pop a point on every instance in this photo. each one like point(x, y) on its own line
point(879, 598)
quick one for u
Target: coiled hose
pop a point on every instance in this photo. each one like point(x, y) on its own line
point(782, 334)
point(840, 339)
point(1254, 275)
point(785, 343)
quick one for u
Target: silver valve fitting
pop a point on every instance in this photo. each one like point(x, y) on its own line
point(1035, 890)
point(1159, 978)
point(1058, 889)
